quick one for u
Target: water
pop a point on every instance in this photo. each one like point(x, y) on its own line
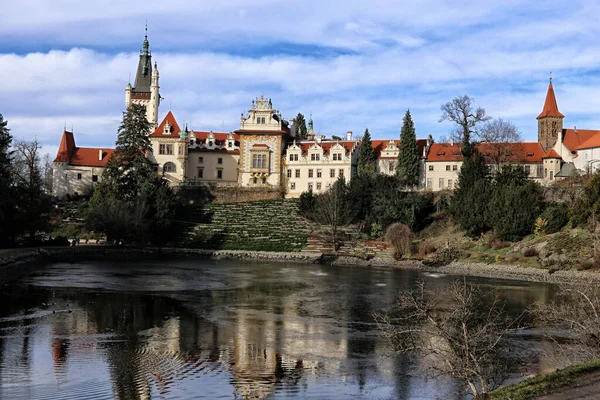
point(212, 330)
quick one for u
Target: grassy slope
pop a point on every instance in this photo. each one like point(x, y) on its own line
point(545, 384)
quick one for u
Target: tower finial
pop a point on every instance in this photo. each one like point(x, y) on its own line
point(146, 44)
point(550, 76)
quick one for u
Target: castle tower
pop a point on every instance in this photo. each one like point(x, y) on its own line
point(550, 120)
point(146, 86)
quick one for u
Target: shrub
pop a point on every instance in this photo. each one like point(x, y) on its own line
point(307, 204)
point(426, 247)
point(556, 216)
point(531, 252)
point(399, 236)
point(540, 226)
point(499, 244)
point(376, 230)
point(443, 256)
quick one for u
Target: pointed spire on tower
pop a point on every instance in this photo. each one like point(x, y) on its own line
point(146, 44)
point(550, 105)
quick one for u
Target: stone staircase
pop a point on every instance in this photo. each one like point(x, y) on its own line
point(268, 225)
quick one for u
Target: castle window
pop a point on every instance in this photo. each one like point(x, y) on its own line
point(219, 161)
point(210, 143)
point(319, 173)
point(528, 170)
point(200, 160)
point(341, 173)
point(429, 183)
point(289, 173)
point(200, 172)
point(315, 157)
point(391, 167)
point(169, 167)
point(431, 167)
point(332, 173)
point(310, 186)
point(297, 173)
point(318, 185)
point(447, 167)
point(219, 174)
point(310, 173)
point(94, 178)
point(259, 161)
point(454, 167)
point(78, 177)
point(551, 175)
point(449, 183)
point(191, 142)
point(441, 182)
point(230, 144)
point(540, 171)
point(293, 185)
point(165, 149)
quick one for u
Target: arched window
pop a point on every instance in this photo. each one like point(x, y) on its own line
point(169, 167)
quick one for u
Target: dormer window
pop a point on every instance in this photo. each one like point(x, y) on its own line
point(191, 142)
point(315, 157)
point(230, 144)
point(210, 143)
point(167, 130)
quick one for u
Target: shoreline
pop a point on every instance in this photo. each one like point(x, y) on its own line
point(24, 261)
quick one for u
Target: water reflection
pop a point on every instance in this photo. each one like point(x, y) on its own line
point(212, 330)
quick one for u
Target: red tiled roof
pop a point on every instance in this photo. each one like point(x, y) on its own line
point(67, 145)
point(159, 132)
point(550, 105)
point(326, 145)
point(81, 156)
point(520, 152)
point(90, 157)
point(525, 152)
point(444, 152)
point(552, 154)
point(581, 139)
point(380, 145)
point(220, 136)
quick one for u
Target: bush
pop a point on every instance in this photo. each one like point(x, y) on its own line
point(443, 256)
point(308, 201)
point(556, 216)
point(426, 247)
point(531, 252)
point(399, 236)
point(498, 244)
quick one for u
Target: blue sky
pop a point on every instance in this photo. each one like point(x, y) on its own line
point(351, 64)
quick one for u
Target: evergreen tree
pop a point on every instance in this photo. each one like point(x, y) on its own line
point(131, 202)
point(301, 130)
point(408, 156)
point(6, 180)
point(367, 162)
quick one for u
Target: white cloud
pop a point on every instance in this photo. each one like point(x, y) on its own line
point(416, 55)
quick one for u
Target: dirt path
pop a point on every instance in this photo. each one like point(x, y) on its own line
point(586, 387)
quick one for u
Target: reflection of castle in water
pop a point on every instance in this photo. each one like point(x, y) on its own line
point(259, 340)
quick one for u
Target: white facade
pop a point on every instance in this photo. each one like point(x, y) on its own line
point(316, 165)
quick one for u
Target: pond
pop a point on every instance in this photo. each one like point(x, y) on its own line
point(214, 330)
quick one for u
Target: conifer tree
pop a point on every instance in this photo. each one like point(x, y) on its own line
point(132, 202)
point(128, 169)
point(301, 130)
point(367, 162)
point(408, 156)
point(6, 180)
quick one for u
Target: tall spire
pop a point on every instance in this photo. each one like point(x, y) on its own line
point(550, 105)
point(146, 44)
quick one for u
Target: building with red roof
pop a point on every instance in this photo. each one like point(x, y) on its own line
point(77, 170)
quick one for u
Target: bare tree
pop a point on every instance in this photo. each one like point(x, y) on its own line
point(47, 172)
point(460, 111)
point(501, 141)
point(331, 210)
point(575, 311)
point(462, 331)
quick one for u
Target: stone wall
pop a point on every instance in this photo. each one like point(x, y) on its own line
point(237, 195)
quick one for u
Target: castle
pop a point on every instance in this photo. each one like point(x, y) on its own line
point(266, 152)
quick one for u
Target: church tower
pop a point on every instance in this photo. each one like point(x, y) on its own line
point(550, 120)
point(146, 88)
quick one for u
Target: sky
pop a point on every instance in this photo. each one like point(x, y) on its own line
point(350, 64)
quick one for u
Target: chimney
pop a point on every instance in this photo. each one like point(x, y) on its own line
point(318, 139)
point(99, 154)
point(575, 128)
point(349, 136)
point(451, 142)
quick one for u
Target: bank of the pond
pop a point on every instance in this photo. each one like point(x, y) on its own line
point(20, 262)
